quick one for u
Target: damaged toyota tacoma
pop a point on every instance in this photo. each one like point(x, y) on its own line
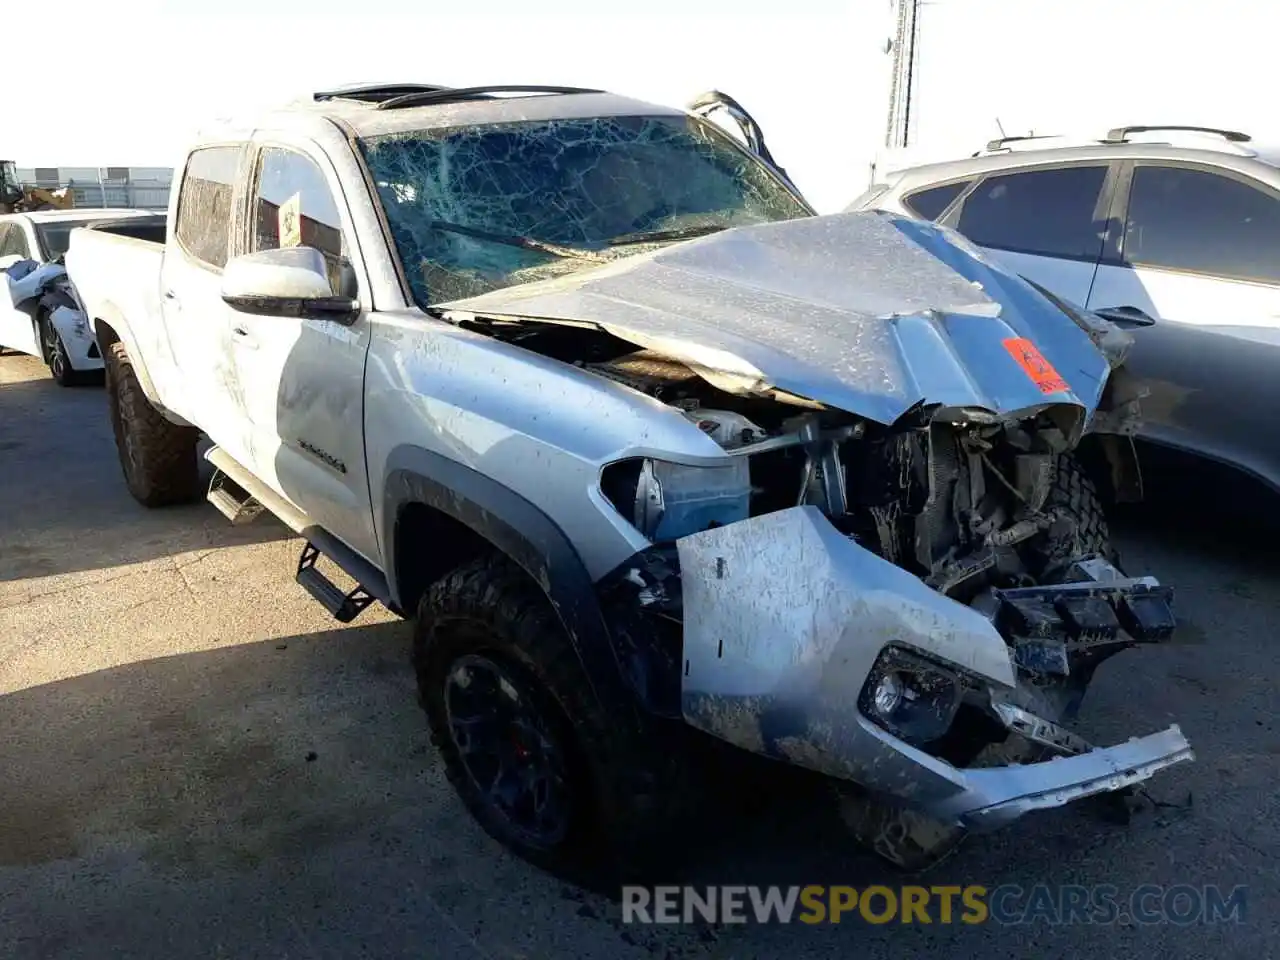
point(653, 454)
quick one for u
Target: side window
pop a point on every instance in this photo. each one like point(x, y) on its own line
point(293, 207)
point(930, 203)
point(1048, 212)
point(204, 205)
point(1184, 219)
point(13, 241)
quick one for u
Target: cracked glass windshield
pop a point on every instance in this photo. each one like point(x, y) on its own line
point(478, 208)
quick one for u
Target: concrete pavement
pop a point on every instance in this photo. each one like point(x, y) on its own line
point(195, 761)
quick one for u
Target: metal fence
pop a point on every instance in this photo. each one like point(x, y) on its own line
point(134, 194)
point(113, 187)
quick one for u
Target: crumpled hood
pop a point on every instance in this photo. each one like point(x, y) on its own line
point(869, 313)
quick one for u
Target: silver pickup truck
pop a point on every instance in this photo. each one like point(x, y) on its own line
point(654, 455)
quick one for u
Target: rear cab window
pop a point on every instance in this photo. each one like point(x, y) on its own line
point(203, 223)
point(1197, 221)
point(931, 203)
point(1053, 212)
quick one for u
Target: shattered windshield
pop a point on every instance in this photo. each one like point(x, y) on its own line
point(478, 208)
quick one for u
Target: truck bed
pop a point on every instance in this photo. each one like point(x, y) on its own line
point(116, 273)
point(149, 230)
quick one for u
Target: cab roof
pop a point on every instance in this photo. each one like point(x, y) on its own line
point(372, 110)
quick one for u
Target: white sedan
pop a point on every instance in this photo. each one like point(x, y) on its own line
point(41, 314)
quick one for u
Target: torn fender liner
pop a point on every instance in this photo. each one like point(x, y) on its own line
point(778, 651)
point(865, 312)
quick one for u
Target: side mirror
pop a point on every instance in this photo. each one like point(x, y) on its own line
point(290, 282)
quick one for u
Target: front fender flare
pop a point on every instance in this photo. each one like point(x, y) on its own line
point(522, 532)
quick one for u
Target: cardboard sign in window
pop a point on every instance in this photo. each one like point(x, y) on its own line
point(289, 221)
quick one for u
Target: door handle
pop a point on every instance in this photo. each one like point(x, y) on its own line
point(1126, 316)
point(244, 337)
point(170, 295)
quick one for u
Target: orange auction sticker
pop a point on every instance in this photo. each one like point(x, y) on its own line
point(1034, 365)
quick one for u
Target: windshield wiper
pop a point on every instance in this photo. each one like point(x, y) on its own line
point(659, 236)
point(528, 243)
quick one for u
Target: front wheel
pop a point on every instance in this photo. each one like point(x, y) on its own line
point(55, 356)
point(910, 840)
point(508, 712)
point(544, 767)
point(1082, 530)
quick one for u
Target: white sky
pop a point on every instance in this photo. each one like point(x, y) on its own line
point(130, 79)
point(1085, 66)
point(134, 77)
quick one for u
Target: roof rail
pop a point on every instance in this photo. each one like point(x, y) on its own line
point(417, 98)
point(1000, 143)
point(376, 92)
point(1121, 134)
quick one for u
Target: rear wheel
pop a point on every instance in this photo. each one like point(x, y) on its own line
point(158, 457)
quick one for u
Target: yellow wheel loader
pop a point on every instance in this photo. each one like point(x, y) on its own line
point(18, 198)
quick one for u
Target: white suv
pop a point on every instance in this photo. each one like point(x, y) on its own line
point(1174, 229)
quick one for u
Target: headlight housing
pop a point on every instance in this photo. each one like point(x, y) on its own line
point(910, 696)
point(666, 501)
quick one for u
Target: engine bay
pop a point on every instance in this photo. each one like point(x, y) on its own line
point(950, 501)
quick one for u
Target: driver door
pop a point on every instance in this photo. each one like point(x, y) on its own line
point(302, 380)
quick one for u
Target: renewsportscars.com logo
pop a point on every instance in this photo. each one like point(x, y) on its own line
point(1009, 904)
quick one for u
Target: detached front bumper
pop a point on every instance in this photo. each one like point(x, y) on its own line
point(784, 620)
point(995, 796)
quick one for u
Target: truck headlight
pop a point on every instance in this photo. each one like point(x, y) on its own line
point(666, 501)
point(913, 698)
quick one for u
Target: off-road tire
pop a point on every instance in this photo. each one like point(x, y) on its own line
point(493, 608)
point(158, 457)
point(1074, 497)
point(912, 841)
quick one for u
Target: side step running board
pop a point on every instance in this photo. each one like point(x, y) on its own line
point(250, 486)
point(241, 497)
point(344, 607)
point(232, 500)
